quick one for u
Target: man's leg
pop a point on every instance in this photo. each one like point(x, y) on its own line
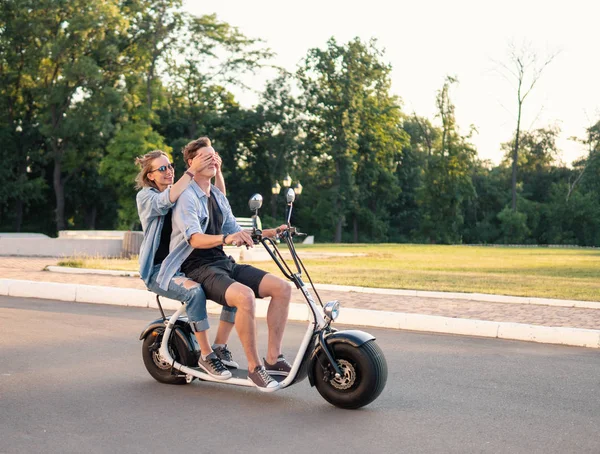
point(222, 288)
point(242, 297)
point(277, 315)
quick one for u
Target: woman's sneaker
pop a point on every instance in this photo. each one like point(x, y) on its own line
point(281, 367)
point(213, 366)
point(263, 381)
point(225, 356)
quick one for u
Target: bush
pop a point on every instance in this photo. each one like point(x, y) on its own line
point(513, 226)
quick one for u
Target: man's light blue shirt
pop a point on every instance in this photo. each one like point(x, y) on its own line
point(191, 216)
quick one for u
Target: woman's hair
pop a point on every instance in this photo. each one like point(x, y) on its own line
point(189, 151)
point(145, 164)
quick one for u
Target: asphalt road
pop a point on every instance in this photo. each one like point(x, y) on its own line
point(72, 381)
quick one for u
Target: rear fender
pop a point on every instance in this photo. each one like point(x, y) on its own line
point(160, 323)
point(183, 341)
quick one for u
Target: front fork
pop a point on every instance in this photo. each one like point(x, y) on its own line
point(330, 357)
point(320, 321)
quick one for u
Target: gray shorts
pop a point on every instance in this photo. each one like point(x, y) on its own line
point(219, 275)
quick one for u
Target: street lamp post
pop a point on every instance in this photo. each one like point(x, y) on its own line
point(276, 188)
point(287, 181)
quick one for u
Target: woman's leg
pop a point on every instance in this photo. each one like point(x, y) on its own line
point(191, 294)
point(195, 301)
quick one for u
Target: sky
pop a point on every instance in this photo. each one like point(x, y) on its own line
point(426, 40)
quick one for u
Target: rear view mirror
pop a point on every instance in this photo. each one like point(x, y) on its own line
point(255, 202)
point(290, 196)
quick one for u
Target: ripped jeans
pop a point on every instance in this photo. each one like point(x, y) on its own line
point(193, 297)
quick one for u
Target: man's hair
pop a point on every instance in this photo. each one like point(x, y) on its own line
point(145, 164)
point(191, 149)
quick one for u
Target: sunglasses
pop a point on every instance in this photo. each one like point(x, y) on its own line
point(163, 169)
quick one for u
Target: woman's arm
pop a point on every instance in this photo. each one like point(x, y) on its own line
point(151, 203)
point(200, 161)
point(219, 180)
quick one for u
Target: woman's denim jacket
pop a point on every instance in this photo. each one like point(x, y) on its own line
point(152, 207)
point(190, 216)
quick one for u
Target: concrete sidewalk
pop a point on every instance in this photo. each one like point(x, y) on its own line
point(452, 315)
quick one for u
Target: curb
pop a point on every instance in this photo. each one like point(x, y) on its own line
point(385, 291)
point(80, 293)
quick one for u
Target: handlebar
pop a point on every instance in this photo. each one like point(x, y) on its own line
point(292, 232)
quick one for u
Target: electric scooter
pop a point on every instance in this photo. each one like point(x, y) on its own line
point(347, 367)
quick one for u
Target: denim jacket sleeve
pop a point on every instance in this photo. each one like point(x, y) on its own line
point(152, 203)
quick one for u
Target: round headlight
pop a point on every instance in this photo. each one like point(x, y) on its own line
point(332, 309)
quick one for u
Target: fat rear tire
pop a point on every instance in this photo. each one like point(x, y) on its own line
point(159, 370)
point(365, 375)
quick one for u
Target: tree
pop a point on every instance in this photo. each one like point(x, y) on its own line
point(592, 143)
point(342, 86)
point(154, 29)
point(118, 166)
point(209, 57)
point(274, 149)
point(380, 146)
point(76, 45)
point(446, 182)
point(22, 144)
point(523, 69)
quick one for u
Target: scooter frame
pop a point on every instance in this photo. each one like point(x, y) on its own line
point(317, 343)
point(318, 332)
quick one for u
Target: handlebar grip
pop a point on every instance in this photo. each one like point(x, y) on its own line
point(256, 236)
point(293, 231)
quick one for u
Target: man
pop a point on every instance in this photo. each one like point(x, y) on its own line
point(202, 224)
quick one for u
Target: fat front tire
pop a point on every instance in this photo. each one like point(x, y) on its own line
point(365, 375)
point(160, 370)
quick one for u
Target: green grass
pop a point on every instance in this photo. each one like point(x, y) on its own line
point(100, 263)
point(536, 272)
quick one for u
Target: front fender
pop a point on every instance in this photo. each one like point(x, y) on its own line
point(354, 337)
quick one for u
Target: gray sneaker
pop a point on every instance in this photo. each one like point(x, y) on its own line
point(214, 367)
point(263, 381)
point(281, 367)
point(225, 356)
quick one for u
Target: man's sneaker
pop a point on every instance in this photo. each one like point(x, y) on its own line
point(263, 381)
point(281, 367)
point(225, 356)
point(213, 366)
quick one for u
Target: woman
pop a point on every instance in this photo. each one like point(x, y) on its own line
point(156, 198)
